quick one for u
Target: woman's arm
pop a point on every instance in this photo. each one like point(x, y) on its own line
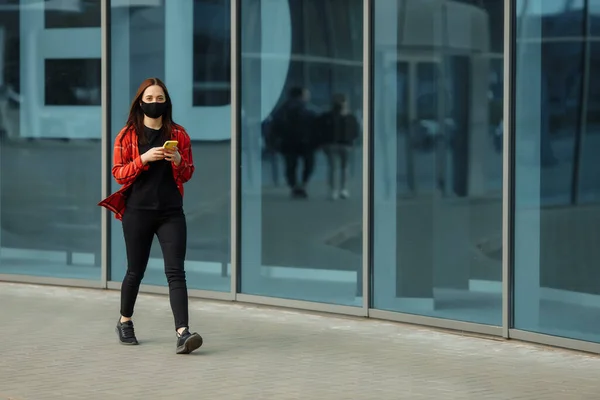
point(125, 168)
point(186, 168)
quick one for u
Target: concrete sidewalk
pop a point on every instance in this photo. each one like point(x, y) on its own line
point(59, 343)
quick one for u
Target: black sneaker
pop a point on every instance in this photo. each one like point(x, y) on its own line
point(188, 342)
point(299, 193)
point(126, 333)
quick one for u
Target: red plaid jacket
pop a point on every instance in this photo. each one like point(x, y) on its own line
point(127, 165)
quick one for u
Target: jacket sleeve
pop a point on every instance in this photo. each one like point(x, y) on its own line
point(186, 168)
point(125, 168)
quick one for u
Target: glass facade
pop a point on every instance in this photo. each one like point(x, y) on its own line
point(428, 161)
point(301, 188)
point(437, 189)
point(556, 169)
point(50, 131)
point(187, 44)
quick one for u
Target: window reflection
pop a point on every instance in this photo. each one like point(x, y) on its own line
point(71, 14)
point(72, 82)
point(50, 121)
point(187, 44)
point(301, 149)
point(556, 168)
point(437, 158)
point(212, 64)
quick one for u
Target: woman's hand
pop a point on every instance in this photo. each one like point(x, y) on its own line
point(173, 156)
point(154, 154)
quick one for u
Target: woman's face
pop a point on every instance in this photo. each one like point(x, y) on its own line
point(154, 94)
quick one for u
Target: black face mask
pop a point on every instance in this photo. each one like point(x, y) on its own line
point(154, 110)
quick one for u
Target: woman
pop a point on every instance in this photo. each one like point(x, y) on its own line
point(339, 130)
point(150, 202)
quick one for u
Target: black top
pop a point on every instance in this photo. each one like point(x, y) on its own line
point(155, 188)
point(292, 127)
point(336, 128)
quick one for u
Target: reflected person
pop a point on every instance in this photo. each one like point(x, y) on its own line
point(150, 202)
point(292, 130)
point(338, 132)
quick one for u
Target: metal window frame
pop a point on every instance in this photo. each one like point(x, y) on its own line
point(235, 216)
point(52, 281)
point(105, 140)
point(367, 155)
point(508, 166)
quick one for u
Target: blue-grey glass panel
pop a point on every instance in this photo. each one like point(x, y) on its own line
point(186, 43)
point(69, 14)
point(301, 180)
point(438, 79)
point(557, 290)
point(50, 152)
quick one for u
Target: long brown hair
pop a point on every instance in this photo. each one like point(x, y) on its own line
point(136, 115)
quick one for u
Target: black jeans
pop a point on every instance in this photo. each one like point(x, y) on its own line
point(291, 166)
point(139, 228)
point(337, 162)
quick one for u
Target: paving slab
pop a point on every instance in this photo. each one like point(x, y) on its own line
point(59, 343)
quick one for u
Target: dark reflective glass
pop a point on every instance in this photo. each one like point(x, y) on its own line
point(184, 43)
point(72, 82)
point(438, 79)
point(70, 14)
point(301, 146)
point(50, 128)
point(212, 64)
point(557, 169)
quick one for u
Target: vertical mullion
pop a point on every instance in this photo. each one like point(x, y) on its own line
point(105, 151)
point(584, 93)
point(508, 167)
point(367, 152)
point(235, 123)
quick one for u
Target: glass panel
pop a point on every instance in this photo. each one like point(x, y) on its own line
point(50, 128)
point(186, 44)
point(301, 180)
point(588, 166)
point(438, 69)
point(71, 13)
point(556, 249)
point(72, 82)
point(212, 64)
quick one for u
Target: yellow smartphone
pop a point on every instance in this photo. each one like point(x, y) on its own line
point(170, 144)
